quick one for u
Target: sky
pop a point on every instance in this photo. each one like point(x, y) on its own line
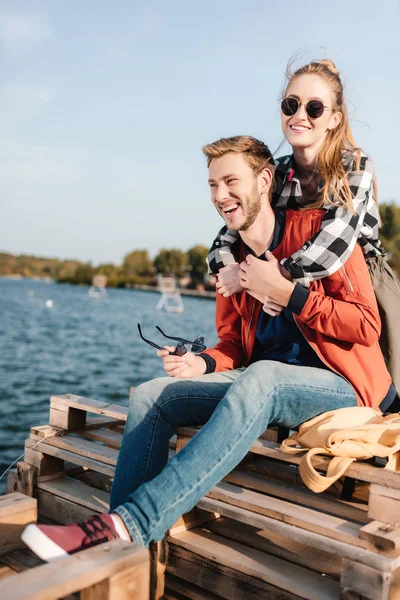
point(104, 108)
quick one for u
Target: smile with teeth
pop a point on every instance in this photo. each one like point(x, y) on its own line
point(230, 209)
point(299, 127)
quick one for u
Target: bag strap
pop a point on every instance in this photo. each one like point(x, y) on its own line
point(319, 483)
point(290, 445)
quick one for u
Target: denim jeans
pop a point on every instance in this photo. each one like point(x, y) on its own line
point(235, 407)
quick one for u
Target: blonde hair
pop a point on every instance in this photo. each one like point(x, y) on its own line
point(336, 189)
point(256, 153)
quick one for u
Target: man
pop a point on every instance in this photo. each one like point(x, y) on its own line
point(314, 356)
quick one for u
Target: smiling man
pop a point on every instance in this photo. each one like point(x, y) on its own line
point(317, 355)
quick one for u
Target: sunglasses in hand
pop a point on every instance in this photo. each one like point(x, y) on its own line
point(181, 347)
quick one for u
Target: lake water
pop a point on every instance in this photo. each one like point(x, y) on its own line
point(81, 345)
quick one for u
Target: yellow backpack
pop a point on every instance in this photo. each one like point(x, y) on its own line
point(347, 434)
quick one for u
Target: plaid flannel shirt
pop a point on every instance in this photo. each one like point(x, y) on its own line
point(327, 251)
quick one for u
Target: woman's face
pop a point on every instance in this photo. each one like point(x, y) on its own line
point(300, 130)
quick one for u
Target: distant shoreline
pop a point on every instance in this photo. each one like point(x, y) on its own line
point(206, 295)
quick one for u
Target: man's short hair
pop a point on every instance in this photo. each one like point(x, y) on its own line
point(256, 153)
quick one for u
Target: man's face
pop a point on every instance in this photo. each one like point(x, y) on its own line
point(235, 190)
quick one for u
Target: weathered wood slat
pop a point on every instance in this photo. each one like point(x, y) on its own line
point(302, 536)
point(92, 406)
point(108, 437)
point(81, 571)
point(21, 560)
point(185, 590)
point(72, 457)
point(358, 470)
point(245, 565)
point(328, 525)
point(271, 543)
point(298, 495)
point(80, 446)
point(16, 511)
point(78, 492)
point(384, 504)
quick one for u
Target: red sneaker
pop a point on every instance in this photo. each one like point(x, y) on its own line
point(51, 542)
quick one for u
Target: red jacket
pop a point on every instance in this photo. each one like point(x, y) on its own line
point(340, 318)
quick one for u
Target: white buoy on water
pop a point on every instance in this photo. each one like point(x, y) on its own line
point(49, 303)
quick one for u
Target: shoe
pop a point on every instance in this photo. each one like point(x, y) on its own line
point(51, 542)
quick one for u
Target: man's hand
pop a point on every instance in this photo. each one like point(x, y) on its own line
point(228, 280)
point(264, 278)
point(188, 365)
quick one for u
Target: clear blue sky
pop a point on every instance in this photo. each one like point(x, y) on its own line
point(104, 108)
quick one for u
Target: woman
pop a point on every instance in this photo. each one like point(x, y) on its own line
point(328, 171)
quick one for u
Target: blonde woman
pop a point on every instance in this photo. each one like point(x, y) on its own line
point(326, 170)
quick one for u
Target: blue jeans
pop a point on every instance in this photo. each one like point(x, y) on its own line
point(235, 407)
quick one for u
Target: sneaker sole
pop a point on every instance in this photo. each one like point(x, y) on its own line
point(42, 545)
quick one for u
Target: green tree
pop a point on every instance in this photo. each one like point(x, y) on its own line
point(137, 262)
point(390, 232)
point(172, 262)
point(197, 262)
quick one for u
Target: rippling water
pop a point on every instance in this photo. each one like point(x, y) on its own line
point(81, 345)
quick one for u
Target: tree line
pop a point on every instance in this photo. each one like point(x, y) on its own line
point(138, 267)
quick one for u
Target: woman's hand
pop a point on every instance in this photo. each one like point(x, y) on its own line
point(188, 365)
point(228, 280)
point(264, 278)
point(269, 306)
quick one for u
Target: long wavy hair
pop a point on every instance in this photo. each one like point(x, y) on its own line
point(336, 189)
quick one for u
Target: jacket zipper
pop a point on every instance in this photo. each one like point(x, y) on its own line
point(248, 329)
point(348, 280)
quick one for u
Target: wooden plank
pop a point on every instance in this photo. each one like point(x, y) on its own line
point(80, 446)
point(299, 495)
point(227, 583)
point(77, 572)
point(193, 518)
point(16, 511)
point(71, 456)
point(271, 543)
point(108, 437)
point(302, 536)
point(358, 470)
point(385, 537)
point(186, 590)
point(129, 585)
point(26, 478)
point(250, 564)
point(12, 481)
point(21, 560)
point(89, 405)
point(60, 510)
point(78, 492)
point(360, 581)
point(328, 525)
point(6, 571)
point(46, 465)
point(70, 419)
point(95, 480)
point(384, 504)
point(158, 563)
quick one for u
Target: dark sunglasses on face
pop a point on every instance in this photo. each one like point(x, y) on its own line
point(182, 346)
point(314, 108)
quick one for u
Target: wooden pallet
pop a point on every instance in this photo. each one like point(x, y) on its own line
point(117, 570)
point(307, 545)
point(274, 537)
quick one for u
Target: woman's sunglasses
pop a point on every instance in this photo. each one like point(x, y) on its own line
point(182, 346)
point(314, 108)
